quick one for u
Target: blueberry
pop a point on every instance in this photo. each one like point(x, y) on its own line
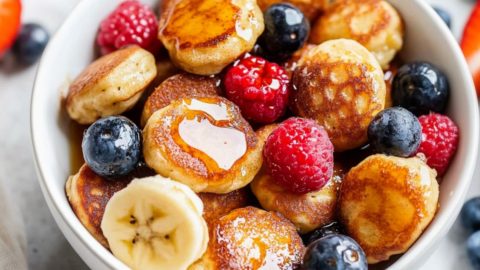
point(444, 15)
point(473, 249)
point(112, 146)
point(334, 251)
point(30, 43)
point(286, 30)
point(395, 131)
point(332, 228)
point(470, 214)
point(421, 88)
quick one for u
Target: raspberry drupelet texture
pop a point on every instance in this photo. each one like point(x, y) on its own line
point(299, 155)
point(260, 88)
point(130, 23)
point(439, 140)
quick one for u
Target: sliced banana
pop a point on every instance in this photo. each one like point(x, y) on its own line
point(155, 223)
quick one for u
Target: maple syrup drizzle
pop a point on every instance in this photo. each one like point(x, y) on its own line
point(207, 133)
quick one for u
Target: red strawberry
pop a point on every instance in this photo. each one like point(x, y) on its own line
point(10, 11)
point(471, 45)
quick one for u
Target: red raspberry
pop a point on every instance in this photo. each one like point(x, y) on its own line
point(259, 88)
point(130, 23)
point(439, 140)
point(299, 155)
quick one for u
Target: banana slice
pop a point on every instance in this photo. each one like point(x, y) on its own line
point(155, 223)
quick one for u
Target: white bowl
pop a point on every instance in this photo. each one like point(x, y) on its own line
point(71, 49)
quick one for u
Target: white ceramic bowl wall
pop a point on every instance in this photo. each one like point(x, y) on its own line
point(72, 48)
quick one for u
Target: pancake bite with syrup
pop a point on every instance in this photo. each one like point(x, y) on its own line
point(251, 238)
point(204, 143)
point(339, 84)
point(386, 202)
point(203, 37)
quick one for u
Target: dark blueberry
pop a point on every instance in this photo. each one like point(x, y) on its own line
point(420, 88)
point(30, 43)
point(444, 15)
point(286, 30)
point(334, 251)
point(473, 249)
point(470, 214)
point(112, 146)
point(332, 228)
point(395, 131)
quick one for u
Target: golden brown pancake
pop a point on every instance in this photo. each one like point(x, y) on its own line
point(373, 23)
point(306, 211)
point(89, 193)
point(110, 85)
point(204, 36)
point(339, 84)
point(386, 203)
point(251, 238)
point(183, 85)
point(204, 143)
point(216, 206)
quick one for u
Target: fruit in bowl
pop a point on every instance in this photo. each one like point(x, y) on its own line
point(316, 145)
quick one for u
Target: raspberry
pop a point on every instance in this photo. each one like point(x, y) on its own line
point(130, 23)
point(299, 155)
point(439, 140)
point(259, 88)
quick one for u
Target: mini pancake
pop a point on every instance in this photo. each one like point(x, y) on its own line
point(339, 84)
point(373, 23)
point(386, 203)
point(204, 143)
point(183, 85)
point(306, 211)
point(249, 238)
point(216, 206)
point(110, 85)
point(203, 37)
point(89, 193)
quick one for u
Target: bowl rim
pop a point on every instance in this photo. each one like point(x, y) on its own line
point(404, 262)
point(422, 249)
point(93, 246)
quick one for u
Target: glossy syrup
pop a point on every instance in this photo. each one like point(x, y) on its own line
point(206, 130)
point(75, 134)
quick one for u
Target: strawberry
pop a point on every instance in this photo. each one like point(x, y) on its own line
point(471, 45)
point(10, 23)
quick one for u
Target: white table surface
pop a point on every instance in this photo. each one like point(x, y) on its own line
point(47, 248)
